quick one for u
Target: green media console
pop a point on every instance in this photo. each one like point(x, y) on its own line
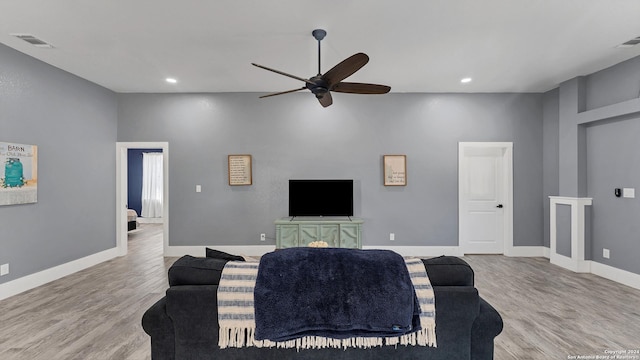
point(339, 232)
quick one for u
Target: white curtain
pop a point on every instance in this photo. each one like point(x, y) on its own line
point(152, 185)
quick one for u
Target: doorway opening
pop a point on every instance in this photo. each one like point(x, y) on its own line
point(122, 150)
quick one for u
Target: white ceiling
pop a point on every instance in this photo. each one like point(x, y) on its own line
point(414, 45)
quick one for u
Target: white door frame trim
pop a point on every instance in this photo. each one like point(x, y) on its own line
point(121, 191)
point(507, 195)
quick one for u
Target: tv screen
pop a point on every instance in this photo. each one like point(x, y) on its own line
point(320, 197)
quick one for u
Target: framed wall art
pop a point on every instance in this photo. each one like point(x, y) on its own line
point(18, 174)
point(395, 170)
point(240, 170)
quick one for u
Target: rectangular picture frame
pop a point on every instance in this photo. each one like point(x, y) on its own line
point(18, 173)
point(394, 170)
point(239, 170)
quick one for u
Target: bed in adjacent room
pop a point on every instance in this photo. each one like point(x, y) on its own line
point(132, 219)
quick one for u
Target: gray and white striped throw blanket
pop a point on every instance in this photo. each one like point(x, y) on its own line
point(237, 322)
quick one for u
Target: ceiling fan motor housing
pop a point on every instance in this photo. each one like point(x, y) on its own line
point(319, 87)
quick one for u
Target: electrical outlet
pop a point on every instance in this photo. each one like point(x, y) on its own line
point(4, 269)
point(605, 253)
point(392, 236)
point(263, 237)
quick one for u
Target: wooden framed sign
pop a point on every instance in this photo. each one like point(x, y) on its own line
point(395, 170)
point(240, 170)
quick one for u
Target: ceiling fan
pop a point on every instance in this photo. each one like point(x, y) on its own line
point(321, 85)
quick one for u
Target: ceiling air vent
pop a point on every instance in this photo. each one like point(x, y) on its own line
point(630, 43)
point(33, 40)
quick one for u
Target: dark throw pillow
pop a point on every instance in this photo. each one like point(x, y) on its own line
point(217, 254)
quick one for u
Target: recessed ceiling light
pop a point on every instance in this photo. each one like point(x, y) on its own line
point(171, 80)
point(466, 80)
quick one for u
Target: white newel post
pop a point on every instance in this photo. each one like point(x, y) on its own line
point(576, 262)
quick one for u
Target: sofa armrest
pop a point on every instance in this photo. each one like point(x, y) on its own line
point(159, 326)
point(449, 270)
point(193, 310)
point(456, 309)
point(486, 327)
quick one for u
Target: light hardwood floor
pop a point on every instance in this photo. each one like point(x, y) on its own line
point(92, 314)
point(553, 313)
point(549, 313)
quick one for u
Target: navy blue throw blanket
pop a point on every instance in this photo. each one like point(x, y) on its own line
point(333, 293)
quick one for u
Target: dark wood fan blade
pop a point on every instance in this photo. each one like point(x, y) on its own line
point(285, 74)
point(326, 100)
point(282, 92)
point(360, 88)
point(345, 68)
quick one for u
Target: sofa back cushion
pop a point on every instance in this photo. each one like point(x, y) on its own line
point(449, 271)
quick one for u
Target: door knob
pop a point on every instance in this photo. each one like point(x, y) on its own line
point(499, 206)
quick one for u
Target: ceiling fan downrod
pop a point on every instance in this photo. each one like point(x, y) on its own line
point(319, 34)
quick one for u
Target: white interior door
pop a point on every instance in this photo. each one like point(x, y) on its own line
point(484, 173)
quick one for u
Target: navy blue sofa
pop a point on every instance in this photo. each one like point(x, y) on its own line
point(184, 324)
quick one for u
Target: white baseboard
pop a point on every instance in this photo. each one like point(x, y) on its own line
point(525, 251)
point(29, 282)
point(580, 266)
point(420, 251)
point(614, 274)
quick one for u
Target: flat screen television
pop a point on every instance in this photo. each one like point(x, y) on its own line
point(320, 197)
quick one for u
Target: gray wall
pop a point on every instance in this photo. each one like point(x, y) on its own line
point(73, 123)
point(613, 85)
point(614, 162)
point(292, 136)
point(603, 155)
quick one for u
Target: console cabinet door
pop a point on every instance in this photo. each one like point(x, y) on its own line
point(330, 234)
point(308, 234)
point(350, 236)
point(288, 236)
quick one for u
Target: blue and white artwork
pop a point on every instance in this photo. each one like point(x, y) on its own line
point(18, 173)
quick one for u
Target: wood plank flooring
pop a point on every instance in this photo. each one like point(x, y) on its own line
point(92, 314)
point(553, 313)
point(549, 312)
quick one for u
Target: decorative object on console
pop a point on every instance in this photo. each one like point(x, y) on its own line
point(239, 170)
point(322, 85)
point(395, 170)
point(318, 244)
